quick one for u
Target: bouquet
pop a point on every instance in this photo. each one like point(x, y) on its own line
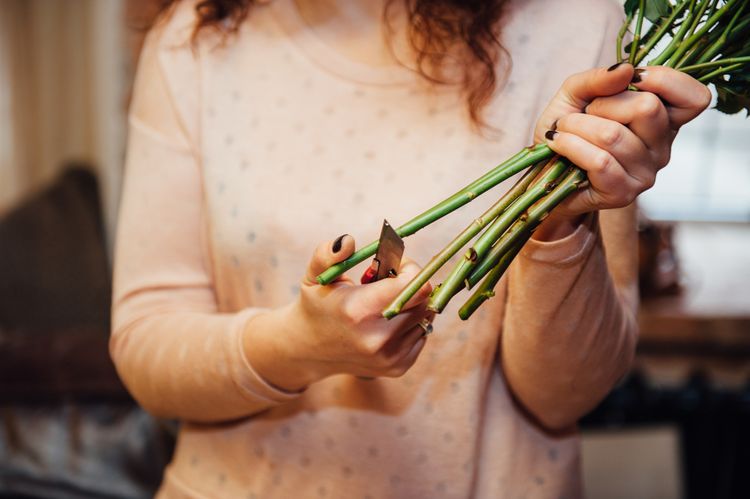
point(707, 39)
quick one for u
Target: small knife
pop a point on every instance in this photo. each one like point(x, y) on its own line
point(388, 257)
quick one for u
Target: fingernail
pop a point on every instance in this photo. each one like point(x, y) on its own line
point(638, 75)
point(550, 134)
point(336, 247)
point(615, 66)
point(553, 126)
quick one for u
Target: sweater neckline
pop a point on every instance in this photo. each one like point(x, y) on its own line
point(327, 58)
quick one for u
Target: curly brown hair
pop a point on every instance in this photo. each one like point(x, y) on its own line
point(466, 29)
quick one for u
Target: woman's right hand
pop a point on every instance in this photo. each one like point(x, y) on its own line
point(338, 328)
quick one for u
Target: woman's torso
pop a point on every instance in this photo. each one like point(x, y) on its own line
point(298, 146)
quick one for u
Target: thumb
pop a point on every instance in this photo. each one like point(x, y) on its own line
point(327, 254)
point(579, 90)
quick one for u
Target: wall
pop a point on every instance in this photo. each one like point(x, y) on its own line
point(63, 74)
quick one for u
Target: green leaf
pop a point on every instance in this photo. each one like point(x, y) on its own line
point(656, 9)
point(733, 94)
point(631, 6)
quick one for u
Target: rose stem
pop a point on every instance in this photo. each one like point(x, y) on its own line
point(519, 162)
point(536, 215)
point(486, 289)
point(454, 282)
point(460, 241)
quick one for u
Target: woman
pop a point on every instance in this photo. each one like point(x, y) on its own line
point(247, 149)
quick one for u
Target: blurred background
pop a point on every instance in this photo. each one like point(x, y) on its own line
point(677, 426)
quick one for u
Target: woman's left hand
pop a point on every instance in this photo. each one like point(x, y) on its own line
point(621, 138)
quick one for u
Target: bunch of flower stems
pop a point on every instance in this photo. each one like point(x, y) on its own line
point(707, 39)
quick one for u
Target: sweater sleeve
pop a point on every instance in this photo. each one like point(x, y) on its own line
point(176, 353)
point(570, 328)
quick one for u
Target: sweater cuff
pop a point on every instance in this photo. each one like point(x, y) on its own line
point(249, 382)
point(569, 250)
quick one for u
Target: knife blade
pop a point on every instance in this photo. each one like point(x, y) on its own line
point(388, 256)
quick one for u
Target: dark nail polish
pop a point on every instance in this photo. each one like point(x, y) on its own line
point(336, 247)
point(638, 75)
point(615, 66)
point(550, 134)
point(553, 126)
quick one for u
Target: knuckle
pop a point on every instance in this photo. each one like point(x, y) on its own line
point(369, 347)
point(601, 162)
point(649, 181)
point(663, 157)
point(570, 81)
point(594, 107)
point(353, 313)
point(649, 105)
point(611, 135)
point(563, 123)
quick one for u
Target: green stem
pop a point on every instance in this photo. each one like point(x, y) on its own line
point(688, 43)
point(454, 282)
point(621, 36)
point(517, 163)
point(663, 30)
point(460, 241)
point(572, 181)
point(693, 55)
point(486, 289)
point(700, 44)
point(688, 24)
point(704, 4)
point(739, 32)
point(721, 71)
point(637, 34)
point(713, 64)
point(717, 46)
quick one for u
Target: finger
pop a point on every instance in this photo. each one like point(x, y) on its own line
point(580, 89)
point(406, 321)
point(379, 294)
point(685, 96)
point(388, 337)
point(611, 186)
point(614, 137)
point(403, 352)
point(327, 254)
point(402, 340)
point(412, 354)
point(643, 112)
point(425, 320)
point(412, 269)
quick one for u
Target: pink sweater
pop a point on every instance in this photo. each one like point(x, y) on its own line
point(243, 157)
